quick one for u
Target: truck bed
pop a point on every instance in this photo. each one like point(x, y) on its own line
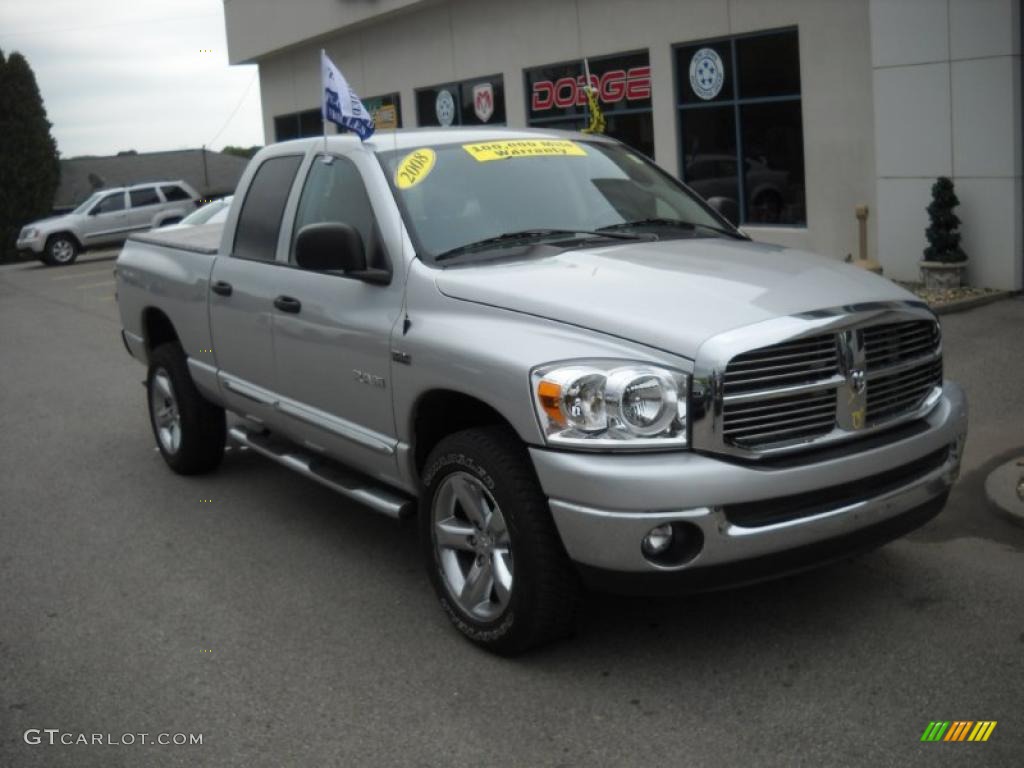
point(204, 238)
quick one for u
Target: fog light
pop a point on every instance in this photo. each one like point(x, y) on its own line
point(657, 540)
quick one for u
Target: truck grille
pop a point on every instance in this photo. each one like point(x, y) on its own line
point(790, 393)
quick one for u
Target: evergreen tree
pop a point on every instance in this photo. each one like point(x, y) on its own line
point(942, 234)
point(29, 165)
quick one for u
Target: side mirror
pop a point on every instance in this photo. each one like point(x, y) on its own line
point(727, 207)
point(330, 246)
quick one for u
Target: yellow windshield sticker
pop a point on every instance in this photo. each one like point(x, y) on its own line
point(502, 150)
point(414, 168)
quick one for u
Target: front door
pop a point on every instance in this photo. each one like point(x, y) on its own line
point(332, 345)
point(107, 220)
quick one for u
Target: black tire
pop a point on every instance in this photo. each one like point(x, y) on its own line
point(542, 603)
point(202, 425)
point(61, 250)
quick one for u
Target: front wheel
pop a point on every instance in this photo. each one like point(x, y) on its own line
point(190, 430)
point(491, 547)
point(60, 251)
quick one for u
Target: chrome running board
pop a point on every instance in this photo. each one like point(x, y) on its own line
point(338, 478)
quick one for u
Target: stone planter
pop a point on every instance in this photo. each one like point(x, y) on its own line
point(942, 275)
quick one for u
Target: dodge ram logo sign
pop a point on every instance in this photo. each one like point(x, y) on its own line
point(483, 101)
point(852, 401)
point(857, 380)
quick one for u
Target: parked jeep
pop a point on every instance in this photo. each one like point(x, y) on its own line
point(106, 218)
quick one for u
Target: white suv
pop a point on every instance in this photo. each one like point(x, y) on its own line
point(107, 218)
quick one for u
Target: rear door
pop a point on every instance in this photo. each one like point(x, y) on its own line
point(145, 205)
point(333, 347)
point(243, 286)
point(107, 220)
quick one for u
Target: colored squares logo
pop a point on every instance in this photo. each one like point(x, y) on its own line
point(958, 730)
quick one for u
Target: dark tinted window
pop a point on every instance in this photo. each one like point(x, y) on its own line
point(144, 196)
point(334, 191)
point(173, 192)
point(756, 126)
point(259, 222)
point(769, 65)
point(774, 148)
point(480, 101)
point(709, 152)
point(110, 203)
point(298, 125)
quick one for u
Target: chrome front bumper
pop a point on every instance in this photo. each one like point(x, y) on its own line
point(603, 504)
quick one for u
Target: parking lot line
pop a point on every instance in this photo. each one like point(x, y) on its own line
point(96, 285)
point(75, 275)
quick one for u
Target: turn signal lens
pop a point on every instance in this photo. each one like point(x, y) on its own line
point(549, 393)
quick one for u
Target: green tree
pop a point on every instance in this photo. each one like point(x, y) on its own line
point(246, 152)
point(943, 233)
point(29, 164)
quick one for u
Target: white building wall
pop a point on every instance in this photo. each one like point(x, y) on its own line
point(430, 43)
point(947, 102)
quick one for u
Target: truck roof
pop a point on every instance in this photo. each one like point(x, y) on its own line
point(408, 138)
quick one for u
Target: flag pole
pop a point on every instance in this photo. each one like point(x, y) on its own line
point(323, 118)
point(586, 70)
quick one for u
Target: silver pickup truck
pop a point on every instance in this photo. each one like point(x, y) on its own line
point(569, 367)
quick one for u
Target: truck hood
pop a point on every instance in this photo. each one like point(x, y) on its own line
point(670, 294)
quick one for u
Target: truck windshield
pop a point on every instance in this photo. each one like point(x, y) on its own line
point(482, 194)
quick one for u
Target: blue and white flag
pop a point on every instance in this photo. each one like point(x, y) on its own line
point(340, 104)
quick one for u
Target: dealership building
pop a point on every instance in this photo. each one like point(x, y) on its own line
point(796, 112)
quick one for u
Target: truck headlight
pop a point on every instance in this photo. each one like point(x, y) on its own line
point(611, 404)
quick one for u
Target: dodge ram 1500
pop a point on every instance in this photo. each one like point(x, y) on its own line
point(561, 360)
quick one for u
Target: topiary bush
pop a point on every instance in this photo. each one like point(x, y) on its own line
point(943, 233)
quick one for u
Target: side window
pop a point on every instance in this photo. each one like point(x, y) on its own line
point(143, 197)
point(173, 192)
point(110, 203)
point(334, 192)
point(259, 222)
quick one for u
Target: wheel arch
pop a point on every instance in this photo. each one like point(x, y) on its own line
point(157, 329)
point(438, 413)
point(69, 233)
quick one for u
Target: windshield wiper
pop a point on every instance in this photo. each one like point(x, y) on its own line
point(528, 235)
point(659, 221)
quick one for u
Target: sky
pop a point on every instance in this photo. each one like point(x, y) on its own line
point(147, 75)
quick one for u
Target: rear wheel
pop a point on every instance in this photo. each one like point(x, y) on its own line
point(190, 430)
point(493, 553)
point(60, 250)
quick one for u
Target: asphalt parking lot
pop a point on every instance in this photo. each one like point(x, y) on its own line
point(291, 628)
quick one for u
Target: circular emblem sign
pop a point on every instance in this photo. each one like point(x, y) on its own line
point(444, 107)
point(707, 73)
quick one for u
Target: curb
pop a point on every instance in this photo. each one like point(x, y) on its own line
point(961, 305)
point(1001, 489)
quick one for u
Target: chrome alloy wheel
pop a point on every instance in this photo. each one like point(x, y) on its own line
point(472, 546)
point(63, 251)
point(164, 407)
